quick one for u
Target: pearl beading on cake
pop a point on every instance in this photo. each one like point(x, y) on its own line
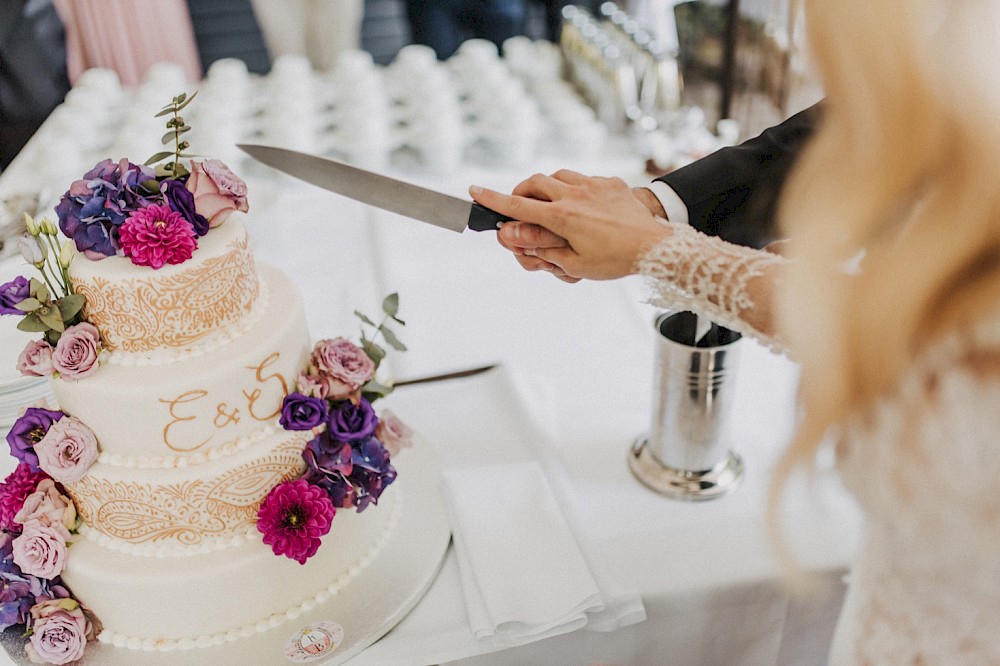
point(275, 619)
point(219, 339)
point(180, 461)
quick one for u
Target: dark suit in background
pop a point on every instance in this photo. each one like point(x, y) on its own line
point(733, 193)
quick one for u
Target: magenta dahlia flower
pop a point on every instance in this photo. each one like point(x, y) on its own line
point(14, 490)
point(156, 235)
point(293, 517)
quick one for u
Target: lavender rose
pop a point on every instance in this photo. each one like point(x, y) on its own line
point(67, 451)
point(27, 431)
point(12, 293)
point(76, 353)
point(59, 632)
point(302, 412)
point(350, 422)
point(41, 549)
point(48, 506)
point(35, 360)
point(180, 200)
point(393, 433)
point(345, 365)
point(217, 191)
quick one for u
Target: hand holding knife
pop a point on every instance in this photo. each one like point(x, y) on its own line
point(419, 203)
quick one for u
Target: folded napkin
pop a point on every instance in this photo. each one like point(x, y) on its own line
point(523, 575)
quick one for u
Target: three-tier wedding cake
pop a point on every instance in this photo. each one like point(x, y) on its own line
point(181, 495)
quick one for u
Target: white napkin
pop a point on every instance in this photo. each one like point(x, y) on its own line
point(523, 575)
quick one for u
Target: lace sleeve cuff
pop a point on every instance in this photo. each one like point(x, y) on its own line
point(692, 271)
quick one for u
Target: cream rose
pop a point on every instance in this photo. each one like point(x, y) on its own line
point(48, 506)
point(217, 191)
point(67, 450)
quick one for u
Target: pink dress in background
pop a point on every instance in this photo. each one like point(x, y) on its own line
point(128, 36)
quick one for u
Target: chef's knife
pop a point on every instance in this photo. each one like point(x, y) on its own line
point(374, 189)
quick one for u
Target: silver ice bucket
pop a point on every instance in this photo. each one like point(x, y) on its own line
point(686, 454)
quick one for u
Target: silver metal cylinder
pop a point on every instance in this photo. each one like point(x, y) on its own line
point(686, 454)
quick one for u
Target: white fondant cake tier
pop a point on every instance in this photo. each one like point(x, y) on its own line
point(177, 601)
point(162, 510)
point(177, 413)
point(139, 310)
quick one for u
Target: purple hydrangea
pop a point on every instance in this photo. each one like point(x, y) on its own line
point(302, 412)
point(28, 431)
point(350, 422)
point(20, 591)
point(12, 293)
point(94, 207)
point(353, 475)
point(181, 200)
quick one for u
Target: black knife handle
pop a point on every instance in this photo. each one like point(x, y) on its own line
point(482, 218)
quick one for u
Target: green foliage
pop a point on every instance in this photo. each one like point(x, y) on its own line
point(390, 308)
point(176, 128)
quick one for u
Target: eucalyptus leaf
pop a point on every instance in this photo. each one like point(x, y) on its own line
point(32, 324)
point(391, 339)
point(34, 285)
point(184, 102)
point(374, 352)
point(52, 317)
point(29, 305)
point(167, 138)
point(167, 110)
point(377, 388)
point(70, 305)
point(158, 156)
point(390, 305)
point(180, 99)
point(364, 318)
point(43, 293)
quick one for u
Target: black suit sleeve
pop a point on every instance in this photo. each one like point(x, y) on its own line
point(733, 193)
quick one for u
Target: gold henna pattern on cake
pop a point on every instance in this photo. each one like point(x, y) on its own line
point(192, 511)
point(143, 315)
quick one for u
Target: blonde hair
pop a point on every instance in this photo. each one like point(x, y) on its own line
point(906, 167)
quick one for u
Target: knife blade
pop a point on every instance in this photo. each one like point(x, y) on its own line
point(383, 192)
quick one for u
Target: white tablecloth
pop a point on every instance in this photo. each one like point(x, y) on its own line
point(578, 360)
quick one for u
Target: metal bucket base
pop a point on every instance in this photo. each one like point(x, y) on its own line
point(684, 484)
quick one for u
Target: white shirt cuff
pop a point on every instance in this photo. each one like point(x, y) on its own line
point(672, 204)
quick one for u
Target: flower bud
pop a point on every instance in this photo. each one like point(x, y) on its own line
point(48, 227)
point(66, 253)
point(31, 224)
point(32, 251)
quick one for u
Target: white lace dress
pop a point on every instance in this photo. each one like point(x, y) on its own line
point(924, 465)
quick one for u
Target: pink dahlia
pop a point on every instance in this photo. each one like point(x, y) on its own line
point(13, 491)
point(156, 235)
point(293, 517)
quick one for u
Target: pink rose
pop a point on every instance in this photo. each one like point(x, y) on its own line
point(393, 433)
point(60, 631)
point(217, 191)
point(344, 364)
point(41, 549)
point(314, 386)
point(77, 351)
point(48, 506)
point(67, 450)
point(35, 359)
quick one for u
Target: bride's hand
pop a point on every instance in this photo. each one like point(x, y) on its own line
point(590, 227)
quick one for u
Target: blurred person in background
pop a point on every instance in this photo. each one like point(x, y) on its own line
point(889, 297)
point(317, 29)
point(33, 78)
point(445, 24)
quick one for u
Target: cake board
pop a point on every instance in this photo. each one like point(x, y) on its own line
point(354, 618)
